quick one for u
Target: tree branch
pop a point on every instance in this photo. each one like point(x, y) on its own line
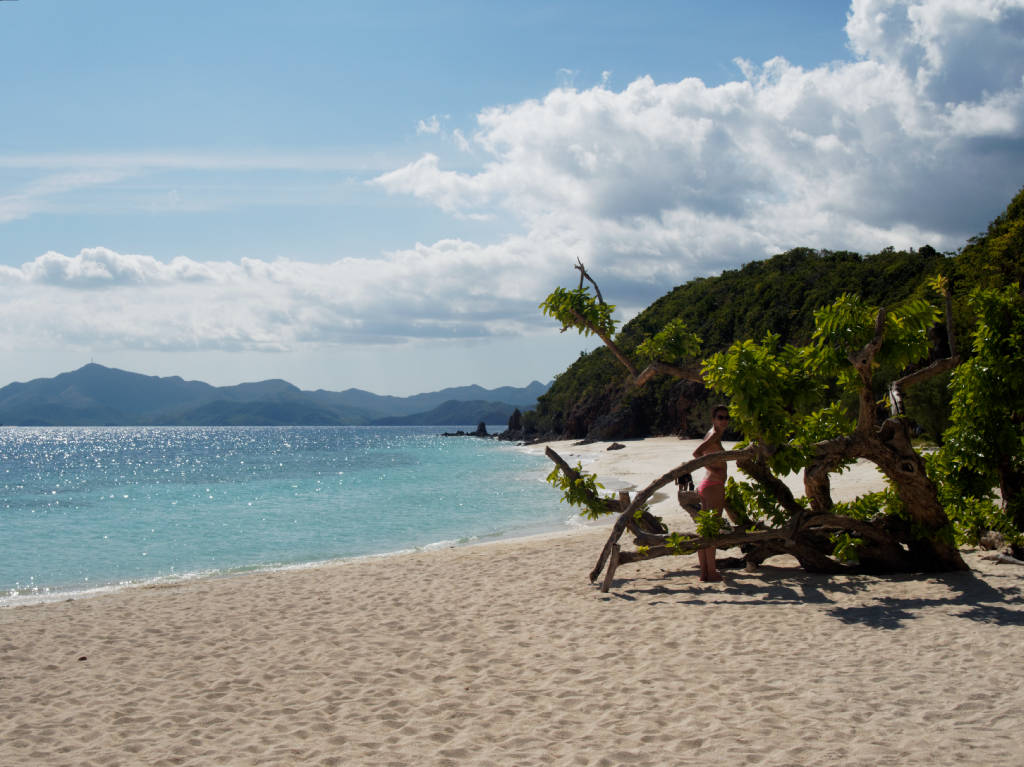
point(626, 519)
point(585, 274)
point(656, 368)
point(862, 362)
point(609, 505)
point(897, 387)
point(607, 342)
point(637, 378)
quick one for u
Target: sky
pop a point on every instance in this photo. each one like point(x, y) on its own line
point(379, 195)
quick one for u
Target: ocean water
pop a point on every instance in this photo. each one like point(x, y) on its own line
point(86, 509)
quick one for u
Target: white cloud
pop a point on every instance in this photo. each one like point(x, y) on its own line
point(431, 125)
point(452, 289)
point(451, 191)
point(919, 139)
point(65, 178)
point(955, 51)
point(460, 141)
point(38, 194)
point(101, 267)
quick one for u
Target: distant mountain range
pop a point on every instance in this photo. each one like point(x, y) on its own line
point(95, 395)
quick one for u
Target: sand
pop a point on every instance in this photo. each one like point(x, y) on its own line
point(505, 654)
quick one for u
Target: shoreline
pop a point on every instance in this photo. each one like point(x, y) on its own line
point(10, 602)
point(36, 583)
point(595, 455)
point(503, 653)
point(635, 468)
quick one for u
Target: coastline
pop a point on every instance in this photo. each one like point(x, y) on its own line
point(503, 653)
point(174, 525)
point(645, 459)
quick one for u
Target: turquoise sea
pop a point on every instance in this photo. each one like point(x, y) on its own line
point(87, 509)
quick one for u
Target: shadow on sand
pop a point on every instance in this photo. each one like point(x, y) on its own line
point(967, 596)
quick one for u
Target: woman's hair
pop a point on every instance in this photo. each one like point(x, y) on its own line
point(718, 408)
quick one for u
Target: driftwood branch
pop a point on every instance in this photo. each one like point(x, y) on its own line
point(695, 543)
point(643, 521)
point(626, 518)
point(596, 502)
point(807, 534)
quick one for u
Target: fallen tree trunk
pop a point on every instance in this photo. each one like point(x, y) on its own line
point(885, 548)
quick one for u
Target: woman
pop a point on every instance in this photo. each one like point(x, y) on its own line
point(712, 488)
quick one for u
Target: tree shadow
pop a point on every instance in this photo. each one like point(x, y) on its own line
point(981, 602)
point(976, 599)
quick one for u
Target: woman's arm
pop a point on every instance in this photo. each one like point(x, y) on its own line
point(712, 444)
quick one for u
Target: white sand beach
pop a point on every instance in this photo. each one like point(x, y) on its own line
point(505, 654)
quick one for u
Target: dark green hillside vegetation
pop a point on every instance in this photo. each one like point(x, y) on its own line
point(817, 406)
point(593, 399)
point(996, 258)
point(990, 261)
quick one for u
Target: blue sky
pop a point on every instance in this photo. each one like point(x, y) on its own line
point(379, 194)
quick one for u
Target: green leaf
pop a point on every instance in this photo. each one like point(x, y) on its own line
point(582, 491)
point(672, 345)
point(846, 547)
point(579, 309)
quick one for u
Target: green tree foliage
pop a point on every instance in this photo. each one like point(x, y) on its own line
point(996, 258)
point(578, 309)
point(848, 325)
point(673, 344)
point(581, 491)
point(811, 408)
point(797, 396)
point(984, 446)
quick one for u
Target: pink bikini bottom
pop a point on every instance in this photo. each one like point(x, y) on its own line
point(709, 482)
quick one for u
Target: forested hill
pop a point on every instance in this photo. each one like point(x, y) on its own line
point(593, 400)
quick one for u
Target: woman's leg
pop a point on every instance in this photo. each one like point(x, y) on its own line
point(712, 573)
point(712, 497)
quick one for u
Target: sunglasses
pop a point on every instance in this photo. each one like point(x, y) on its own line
point(721, 418)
